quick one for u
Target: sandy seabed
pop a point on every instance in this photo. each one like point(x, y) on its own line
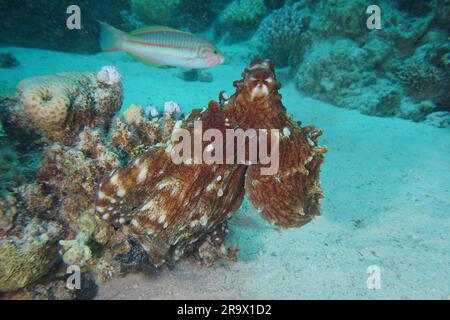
point(387, 199)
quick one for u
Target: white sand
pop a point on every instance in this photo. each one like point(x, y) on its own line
point(387, 200)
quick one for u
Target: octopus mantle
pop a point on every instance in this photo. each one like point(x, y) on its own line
point(169, 207)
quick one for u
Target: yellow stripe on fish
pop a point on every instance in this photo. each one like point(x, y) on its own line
point(162, 46)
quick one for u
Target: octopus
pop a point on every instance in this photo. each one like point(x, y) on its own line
point(168, 207)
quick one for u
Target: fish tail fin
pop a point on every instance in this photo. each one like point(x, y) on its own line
point(111, 39)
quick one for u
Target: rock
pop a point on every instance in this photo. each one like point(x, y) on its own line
point(440, 119)
point(7, 60)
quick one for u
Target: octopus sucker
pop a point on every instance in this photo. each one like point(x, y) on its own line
point(171, 207)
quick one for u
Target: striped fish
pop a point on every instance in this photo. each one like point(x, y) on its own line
point(162, 46)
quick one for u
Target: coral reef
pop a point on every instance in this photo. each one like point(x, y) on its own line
point(77, 251)
point(170, 208)
point(197, 15)
point(153, 11)
point(64, 180)
point(332, 71)
point(335, 57)
point(279, 35)
point(240, 16)
point(71, 174)
point(65, 174)
point(20, 153)
point(27, 258)
point(405, 62)
point(8, 213)
point(192, 15)
point(133, 132)
point(59, 106)
point(426, 74)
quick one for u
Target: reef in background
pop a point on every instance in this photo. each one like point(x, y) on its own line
point(401, 70)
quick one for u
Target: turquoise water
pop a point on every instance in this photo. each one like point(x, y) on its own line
point(375, 80)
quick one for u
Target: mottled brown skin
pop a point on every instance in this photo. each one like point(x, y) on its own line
point(172, 207)
point(169, 207)
point(289, 198)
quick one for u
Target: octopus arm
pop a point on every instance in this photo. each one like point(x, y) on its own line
point(289, 198)
point(169, 206)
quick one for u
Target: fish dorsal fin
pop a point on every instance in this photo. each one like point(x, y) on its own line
point(150, 29)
